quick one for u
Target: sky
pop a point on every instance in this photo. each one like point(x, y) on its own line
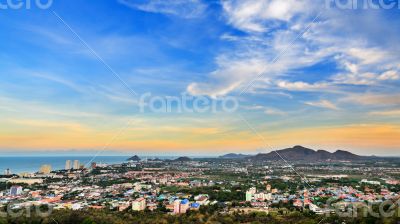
point(89, 75)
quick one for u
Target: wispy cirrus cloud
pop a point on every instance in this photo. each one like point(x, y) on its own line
point(229, 76)
point(84, 87)
point(365, 78)
point(373, 99)
point(180, 8)
point(282, 39)
point(258, 16)
point(302, 86)
point(323, 104)
point(274, 111)
point(389, 113)
point(266, 110)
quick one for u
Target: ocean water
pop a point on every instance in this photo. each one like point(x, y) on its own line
point(33, 164)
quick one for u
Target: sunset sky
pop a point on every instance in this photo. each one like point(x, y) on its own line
point(302, 71)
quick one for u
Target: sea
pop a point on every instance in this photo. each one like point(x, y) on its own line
point(32, 164)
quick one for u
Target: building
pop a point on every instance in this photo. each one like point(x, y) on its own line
point(7, 172)
point(195, 206)
point(184, 206)
point(315, 209)
point(76, 165)
point(365, 181)
point(262, 196)
point(76, 206)
point(177, 206)
point(68, 165)
point(393, 182)
point(15, 190)
point(250, 194)
point(45, 169)
point(297, 203)
point(139, 204)
point(123, 206)
point(202, 199)
point(181, 206)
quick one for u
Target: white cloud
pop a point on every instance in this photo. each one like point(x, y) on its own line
point(275, 46)
point(228, 77)
point(30, 108)
point(368, 55)
point(266, 110)
point(389, 75)
point(88, 88)
point(254, 107)
point(355, 78)
point(373, 99)
point(365, 78)
point(323, 104)
point(180, 8)
point(251, 15)
point(301, 86)
point(394, 113)
point(274, 111)
point(366, 66)
point(253, 62)
point(255, 58)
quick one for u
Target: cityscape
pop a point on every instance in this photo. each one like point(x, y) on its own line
point(199, 111)
point(228, 188)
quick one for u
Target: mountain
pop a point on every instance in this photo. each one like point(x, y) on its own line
point(134, 158)
point(344, 155)
point(182, 159)
point(233, 156)
point(322, 155)
point(305, 154)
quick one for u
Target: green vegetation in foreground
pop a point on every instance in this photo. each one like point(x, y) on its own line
point(210, 214)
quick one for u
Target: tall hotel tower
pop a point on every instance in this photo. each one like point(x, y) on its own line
point(68, 164)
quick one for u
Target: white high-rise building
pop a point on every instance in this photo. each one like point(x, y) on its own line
point(15, 190)
point(76, 165)
point(7, 172)
point(68, 164)
point(250, 194)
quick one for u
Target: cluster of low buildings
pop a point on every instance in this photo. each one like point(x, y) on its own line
point(137, 187)
point(135, 190)
point(310, 198)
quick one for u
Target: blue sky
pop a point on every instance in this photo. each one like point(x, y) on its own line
point(297, 68)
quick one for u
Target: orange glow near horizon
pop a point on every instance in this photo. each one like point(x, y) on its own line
point(361, 139)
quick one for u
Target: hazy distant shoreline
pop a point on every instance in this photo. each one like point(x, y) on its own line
point(18, 164)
